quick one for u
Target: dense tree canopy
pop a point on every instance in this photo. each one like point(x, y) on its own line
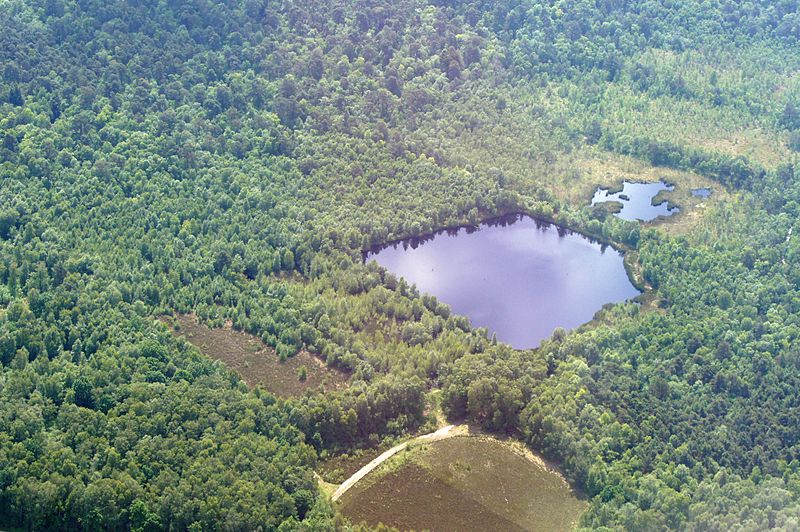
point(234, 159)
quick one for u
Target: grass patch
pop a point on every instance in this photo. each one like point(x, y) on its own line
point(608, 170)
point(464, 483)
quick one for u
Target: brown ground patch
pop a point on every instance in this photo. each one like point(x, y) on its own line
point(255, 362)
point(413, 499)
point(464, 483)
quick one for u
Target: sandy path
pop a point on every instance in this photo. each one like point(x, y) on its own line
point(442, 433)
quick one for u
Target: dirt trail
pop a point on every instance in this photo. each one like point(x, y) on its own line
point(442, 433)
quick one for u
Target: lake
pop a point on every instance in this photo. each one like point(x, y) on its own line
point(637, 200)
point(518, 277)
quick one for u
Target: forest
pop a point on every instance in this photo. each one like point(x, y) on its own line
point(235, 159)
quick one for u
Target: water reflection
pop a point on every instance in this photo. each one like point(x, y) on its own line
point(637, 200)
point(519, 277)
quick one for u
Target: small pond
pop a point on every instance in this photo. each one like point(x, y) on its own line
point(518, 277)
point(637, 200)
point(701, 192)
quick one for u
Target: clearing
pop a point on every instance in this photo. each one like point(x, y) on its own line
point(462, 483)
point(255, 362)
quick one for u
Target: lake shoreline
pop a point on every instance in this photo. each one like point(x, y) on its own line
point(424, 237)
point(469, 267)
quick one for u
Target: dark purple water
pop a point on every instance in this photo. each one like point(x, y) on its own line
point(517, 277)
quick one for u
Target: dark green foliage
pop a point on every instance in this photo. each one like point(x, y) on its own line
point(361, 414)
point(116, 443)
point(794, 140)
point(83, 392)
point(15, 96)
point(235, 159)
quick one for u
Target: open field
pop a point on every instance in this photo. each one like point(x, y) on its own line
point(464, 483)
point(531, 162)
point(255, 362)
